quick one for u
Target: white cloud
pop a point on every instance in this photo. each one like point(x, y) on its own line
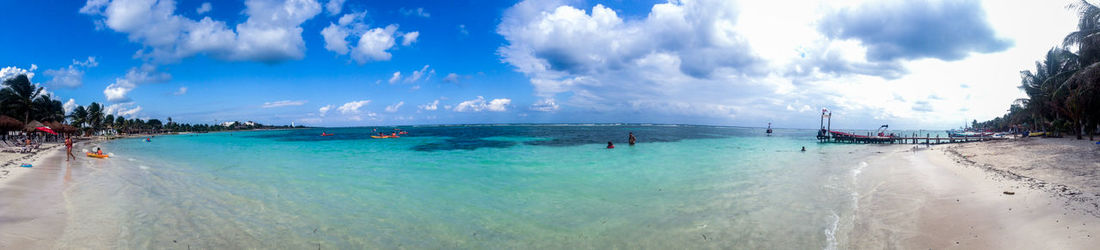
point(126, 109)
point(69, 106)
point(180, 91)
point(352, 107)
point(479, 104)
point(396, 77)
point(335, 39)
point(12, 71)
point(545, 105)
point(451, 78)
point(462, 30)
point(271, 33)
point(373, 45)
point(416, 75)
point(409, 38)
point(416, 12)
point(71, 76)
point(430, 106)
point(325, 109)
point(283, 103)
point(394, 107)
point(334, 6)
point(204, 8)
point(117, 91)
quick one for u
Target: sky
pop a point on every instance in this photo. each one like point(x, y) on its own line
point(910, 64)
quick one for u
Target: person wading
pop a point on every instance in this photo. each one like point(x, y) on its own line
point(69, 148)
point(631, 139)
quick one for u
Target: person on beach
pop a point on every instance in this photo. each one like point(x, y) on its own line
point(69, 148)
point(631, 139)
point(609, 145)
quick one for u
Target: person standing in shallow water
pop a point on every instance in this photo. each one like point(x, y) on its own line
point(69, 148)
point(631, 139)
point(609, 145)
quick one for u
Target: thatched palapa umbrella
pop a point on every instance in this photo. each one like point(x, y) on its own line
point(8, 123)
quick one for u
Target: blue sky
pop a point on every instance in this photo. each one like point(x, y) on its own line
point(912, 64)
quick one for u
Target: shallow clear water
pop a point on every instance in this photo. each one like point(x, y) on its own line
point(518, 186)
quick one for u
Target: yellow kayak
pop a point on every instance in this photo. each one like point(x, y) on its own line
point(94, 155)
point(384, 137)
point(1037, 134)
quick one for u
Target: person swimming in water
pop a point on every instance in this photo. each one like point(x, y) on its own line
point(631, 139)
point(609, 145)
point(803, 148)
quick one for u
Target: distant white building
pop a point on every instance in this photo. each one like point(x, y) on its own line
point(227, 124)
point(249, 123)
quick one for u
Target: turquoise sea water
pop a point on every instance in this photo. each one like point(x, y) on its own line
point(505, 186)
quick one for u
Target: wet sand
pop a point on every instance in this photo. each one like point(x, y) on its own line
point(34, 211)
point(918, 198)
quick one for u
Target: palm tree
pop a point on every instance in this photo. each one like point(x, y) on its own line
point(79, 116)
point(1042, 86)
point(47, 109)
point(1080, 86)
point(18, 96)
point(95, 116)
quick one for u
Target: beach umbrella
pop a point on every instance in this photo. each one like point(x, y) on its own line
point(9, 123)
point(46, 129)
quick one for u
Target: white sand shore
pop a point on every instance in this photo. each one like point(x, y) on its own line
point(927, 199)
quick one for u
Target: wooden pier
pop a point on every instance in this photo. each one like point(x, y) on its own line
point(928, 139)
point(827, 135)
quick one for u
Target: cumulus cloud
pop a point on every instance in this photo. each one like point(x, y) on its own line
point(947, 29)
point(180, 91)
point(682, 57)
point(334, 6)
point(409, 38)
point(352, 107)
point(373, 45)
point(283, 103)
point(12, 71)
point(204, 8)
point(700, 35)
point(325, 109)
point(69, 106)
point(394, 107)
point(271, 33)
point(71, 76)
point(127, 109)
point(479, 104)
point(370, 44)
point(117, 91)
point(430, 106)
point(545, 105)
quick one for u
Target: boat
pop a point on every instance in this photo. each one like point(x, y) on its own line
point(324, 134)
point(1037, 134)
point(94, 155)
point(384, 136)
point(769, 128)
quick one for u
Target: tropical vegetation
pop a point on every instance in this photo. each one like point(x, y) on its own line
point(1063, 91)
point(22, 103)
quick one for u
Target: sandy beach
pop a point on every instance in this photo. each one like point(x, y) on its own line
point(921, 198)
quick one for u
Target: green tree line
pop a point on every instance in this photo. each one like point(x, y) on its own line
point(1063, 91)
